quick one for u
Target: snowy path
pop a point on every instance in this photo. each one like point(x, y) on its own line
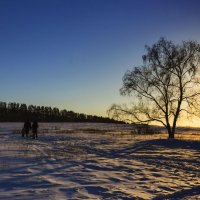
point(82, 165)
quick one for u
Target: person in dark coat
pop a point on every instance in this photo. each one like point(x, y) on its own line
point(34, 129)
point(26, 128)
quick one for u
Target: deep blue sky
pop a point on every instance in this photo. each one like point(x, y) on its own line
point(73, 53)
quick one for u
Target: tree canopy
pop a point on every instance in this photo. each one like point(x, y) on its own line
point(16, 112)
point(164, 87)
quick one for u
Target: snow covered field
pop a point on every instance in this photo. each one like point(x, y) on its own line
point(96, 161)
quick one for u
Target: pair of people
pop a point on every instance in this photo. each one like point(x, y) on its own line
point(28, 126)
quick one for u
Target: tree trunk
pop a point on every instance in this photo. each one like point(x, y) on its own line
point(171, 135)
point(170, 132)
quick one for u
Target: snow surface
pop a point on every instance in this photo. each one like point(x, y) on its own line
point(96, 161)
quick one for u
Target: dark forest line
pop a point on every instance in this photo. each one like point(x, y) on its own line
point(16, 112)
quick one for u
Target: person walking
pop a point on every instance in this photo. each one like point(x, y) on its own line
point(34, 129)
point(26, 129)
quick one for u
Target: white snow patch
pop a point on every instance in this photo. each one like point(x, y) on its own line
point(96, 161)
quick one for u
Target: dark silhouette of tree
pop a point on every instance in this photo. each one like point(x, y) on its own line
point(23, 108)
point(165, 87)
point(15, 112)
point(56, 112)
point(3, 111)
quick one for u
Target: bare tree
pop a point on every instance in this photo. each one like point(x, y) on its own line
point(164, 87)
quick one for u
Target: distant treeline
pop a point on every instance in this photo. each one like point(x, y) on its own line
point(16, 112)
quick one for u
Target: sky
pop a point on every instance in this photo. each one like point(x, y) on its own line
point(72, 54)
